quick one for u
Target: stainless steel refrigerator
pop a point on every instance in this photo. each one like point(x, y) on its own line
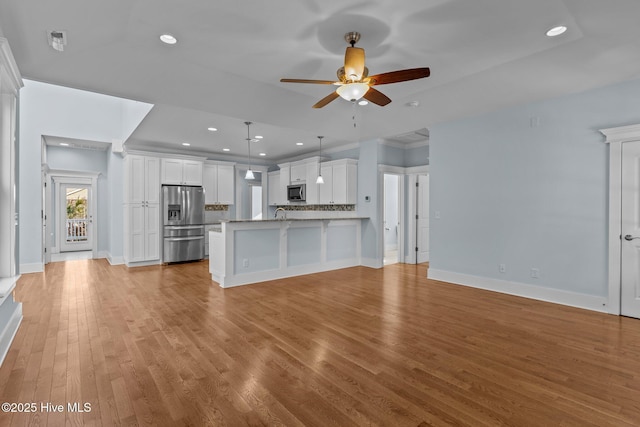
point(183, 223)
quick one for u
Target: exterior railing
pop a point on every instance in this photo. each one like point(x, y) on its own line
point(77, 230)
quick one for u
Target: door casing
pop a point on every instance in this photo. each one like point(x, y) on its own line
point(54, 179)
point(615, 137)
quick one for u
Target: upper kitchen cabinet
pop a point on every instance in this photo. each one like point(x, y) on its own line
point(277, 194)
point(142, 179)
point(340, 182)
point(298, 173)
point(181, 172)
point(218, 182)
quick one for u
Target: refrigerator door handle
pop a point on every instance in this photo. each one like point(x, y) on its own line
point(181, 239)
point(183, 227)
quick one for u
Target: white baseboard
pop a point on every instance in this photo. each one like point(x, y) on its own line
point(117, 260)
point(8, 333)
point(141, 263)
point(573, 299)
point(371, 262)
point(36, 267)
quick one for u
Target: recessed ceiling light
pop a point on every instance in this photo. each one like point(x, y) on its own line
point(556, 31)
point(263, 154)
point(259, 137)
point(299, 143)
point(413, 104)
point(212, 129)
point(168, 39)
point(64, 144)
point(363, 102)
point(186, 144)
point(226, 149)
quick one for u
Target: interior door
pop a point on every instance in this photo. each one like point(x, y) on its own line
point(422, 222)
point(630, 239)
point(76, 218)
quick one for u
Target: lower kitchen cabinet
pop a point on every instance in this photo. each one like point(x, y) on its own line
point(141, 233)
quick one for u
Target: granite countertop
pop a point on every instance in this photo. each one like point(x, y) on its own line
point(293, 219)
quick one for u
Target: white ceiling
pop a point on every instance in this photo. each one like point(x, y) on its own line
point(230, 55)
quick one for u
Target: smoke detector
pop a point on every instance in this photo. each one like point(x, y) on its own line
point(57, 39)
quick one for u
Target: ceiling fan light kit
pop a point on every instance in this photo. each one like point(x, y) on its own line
point(354, 81)
point(352, 91)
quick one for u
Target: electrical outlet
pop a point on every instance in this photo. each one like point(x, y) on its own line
point(502, 268)
point(535, 273)
point(437, 214)
point(245, 263)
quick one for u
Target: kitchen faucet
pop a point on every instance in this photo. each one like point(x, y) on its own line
point(284, 215)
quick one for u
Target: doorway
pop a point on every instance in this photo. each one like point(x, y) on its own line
point(70, 215)
point(75, 219)
point(630, 236)
point(391, 219)
point(256, 201)
point(624, 225)
point(422, 219)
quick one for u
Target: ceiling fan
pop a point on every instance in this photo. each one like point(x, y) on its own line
point(354, 81)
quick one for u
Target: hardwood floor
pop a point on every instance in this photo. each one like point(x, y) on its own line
point(163, 345)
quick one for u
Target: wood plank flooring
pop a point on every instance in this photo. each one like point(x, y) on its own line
point(163, 345)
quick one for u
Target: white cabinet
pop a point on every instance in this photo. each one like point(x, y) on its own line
point(218, 182)
point(181, 172)
point(340, 182)
point(142, 233)
point(142, 179)
point(141, 209)
point(298, 173)
point(276, 191)
point(285, 179)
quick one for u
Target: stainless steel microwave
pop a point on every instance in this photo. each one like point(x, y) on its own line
point(296, 192)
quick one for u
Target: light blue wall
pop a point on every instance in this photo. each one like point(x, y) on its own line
point(353, 153)
point(368, 186)
point(528, 196)
point(390, 156)
point(418, 156)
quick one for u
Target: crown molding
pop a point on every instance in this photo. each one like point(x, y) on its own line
point(8, 62)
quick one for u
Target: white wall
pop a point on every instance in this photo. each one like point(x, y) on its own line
point(58, 111)
point(527, 187)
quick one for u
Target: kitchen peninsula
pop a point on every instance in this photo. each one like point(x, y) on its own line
point(250, 251)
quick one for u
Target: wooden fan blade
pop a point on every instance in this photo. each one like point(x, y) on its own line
point(327, 99)
point(399, 76)
point(317, 82)
point(376, 97)
point(354, 63)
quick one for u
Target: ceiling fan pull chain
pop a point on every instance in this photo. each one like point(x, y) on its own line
point(353, 103)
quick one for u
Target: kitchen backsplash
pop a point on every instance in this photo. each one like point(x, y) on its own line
point(216, 207)
point(213, 216)
point(331, 208)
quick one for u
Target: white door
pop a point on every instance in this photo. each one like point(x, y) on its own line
point(76, 218)
point(422, 223)
point(630, 239)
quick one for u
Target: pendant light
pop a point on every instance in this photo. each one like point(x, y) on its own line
point(249, 174)
point(320, 180)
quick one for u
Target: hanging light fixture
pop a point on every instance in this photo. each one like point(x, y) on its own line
point(249, 174)
point(320, 180)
